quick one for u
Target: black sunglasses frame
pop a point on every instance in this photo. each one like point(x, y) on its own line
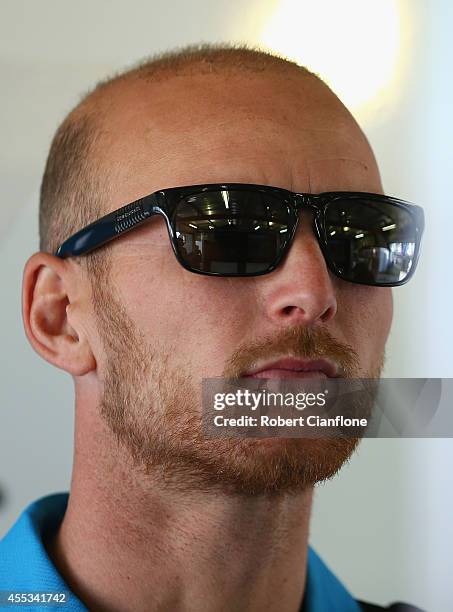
point(165, 201)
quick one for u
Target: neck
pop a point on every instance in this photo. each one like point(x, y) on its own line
point(129, 542)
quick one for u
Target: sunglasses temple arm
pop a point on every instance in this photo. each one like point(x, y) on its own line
point(108, 227)
point(421, 219)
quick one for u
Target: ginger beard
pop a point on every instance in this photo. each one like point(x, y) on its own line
point(154, 412)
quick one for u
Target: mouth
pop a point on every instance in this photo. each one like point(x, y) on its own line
point(290, 367)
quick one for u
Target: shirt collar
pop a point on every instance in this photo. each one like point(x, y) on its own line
point(323, 590)
point(24, 563)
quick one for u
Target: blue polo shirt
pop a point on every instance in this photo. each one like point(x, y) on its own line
point(25, 566)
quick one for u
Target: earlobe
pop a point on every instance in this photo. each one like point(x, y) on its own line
point(46, 301)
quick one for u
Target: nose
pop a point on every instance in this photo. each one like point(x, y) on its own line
point(301, 290)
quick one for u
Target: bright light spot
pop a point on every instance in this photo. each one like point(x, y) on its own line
point(283, 231)
point(346, 228)
point(192, 225)
point(226, 198)
point(257, 227)
point(355, 46)
point(388, 227)
point(333, 233)
point(359, 235)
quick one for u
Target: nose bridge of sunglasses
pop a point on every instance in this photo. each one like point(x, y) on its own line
point(306, 209)
point(305, 230)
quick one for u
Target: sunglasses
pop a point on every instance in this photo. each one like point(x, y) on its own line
point(236, 229)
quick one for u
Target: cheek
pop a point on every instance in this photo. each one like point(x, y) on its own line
point(196, 320)
point(365, 314)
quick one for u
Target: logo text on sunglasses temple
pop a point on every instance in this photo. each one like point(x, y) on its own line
point(130, 217)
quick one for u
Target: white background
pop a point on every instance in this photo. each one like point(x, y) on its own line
point(385, 523)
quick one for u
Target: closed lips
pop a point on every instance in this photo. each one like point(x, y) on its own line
point(295, 368)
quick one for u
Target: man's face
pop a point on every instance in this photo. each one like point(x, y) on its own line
point(163, 329)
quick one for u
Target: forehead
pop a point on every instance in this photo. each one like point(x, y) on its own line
point(284, 130)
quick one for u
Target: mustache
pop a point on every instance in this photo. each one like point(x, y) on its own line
point(299, 342)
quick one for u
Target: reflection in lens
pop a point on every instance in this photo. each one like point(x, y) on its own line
point(370, 241)
point(231, 232)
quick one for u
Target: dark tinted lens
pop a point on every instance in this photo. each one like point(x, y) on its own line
point(370, 241)
point(232, 232)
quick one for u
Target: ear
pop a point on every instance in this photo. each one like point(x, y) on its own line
point(48, 302)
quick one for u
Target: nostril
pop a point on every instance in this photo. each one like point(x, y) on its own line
point(312, 313)
point(287, 310)
point(329, 313)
